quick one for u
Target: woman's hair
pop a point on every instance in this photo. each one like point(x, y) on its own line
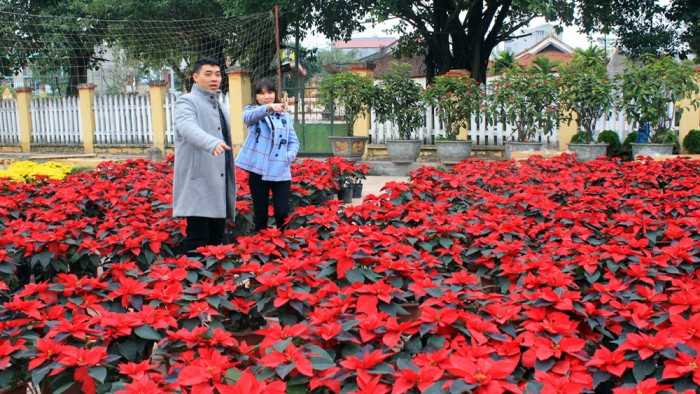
point(264, 85)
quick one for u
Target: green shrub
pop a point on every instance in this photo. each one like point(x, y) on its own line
point(664, 136)
point(611, 138)
point(579, 138)
point(691, 142)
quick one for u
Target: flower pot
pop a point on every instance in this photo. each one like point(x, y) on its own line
point(453, 151)
point(513, 146)
point(403, 151)
point(349, 148)
point(588, 152)
point(357, 190)
point(347, 194)
point(651, 149)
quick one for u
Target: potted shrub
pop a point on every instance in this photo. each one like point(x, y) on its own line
point(353, 93)
point(457, 98)
point(612, 139)
point(527, 99)
point(651, 91)
point(398, 99)
point(586, 94)
point(691, 142)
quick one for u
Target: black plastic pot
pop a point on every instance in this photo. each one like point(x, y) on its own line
point(357, 190)
point(347, 194)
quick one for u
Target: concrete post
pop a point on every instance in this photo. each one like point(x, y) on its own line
point(240, 95)
point(24, 117)
point(157, 91)
point(86, 104)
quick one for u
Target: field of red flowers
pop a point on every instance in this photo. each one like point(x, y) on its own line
point(541, 276)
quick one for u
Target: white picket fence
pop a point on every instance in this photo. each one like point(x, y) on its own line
point(489, 135)
point(9, 126)
point(55, 121)
point(170, 101)
point(123, 120)
point(432, 128)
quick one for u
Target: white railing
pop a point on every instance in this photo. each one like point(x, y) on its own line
point(9, 126)
point(55, 121)
point(170, 101)
point(432, 128)
point(123, 120)
point(482, 134)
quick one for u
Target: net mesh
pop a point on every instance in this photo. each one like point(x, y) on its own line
point(66, 52)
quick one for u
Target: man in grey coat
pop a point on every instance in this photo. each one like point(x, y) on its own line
point(204, 181)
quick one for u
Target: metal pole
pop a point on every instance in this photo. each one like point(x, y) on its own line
point(276, 10)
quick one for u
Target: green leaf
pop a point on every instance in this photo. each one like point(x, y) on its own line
point(232, 375)
point(321, 364)
point(643, 368)
point(355, 276)
point(284, 370)
point(280, 346)
point(39, 373)
point(148, 332)
point(98, 373)
point(445, 243)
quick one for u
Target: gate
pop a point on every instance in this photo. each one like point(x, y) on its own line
point(313, 122)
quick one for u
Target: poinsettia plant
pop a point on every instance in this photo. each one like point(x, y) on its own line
point(538, 276)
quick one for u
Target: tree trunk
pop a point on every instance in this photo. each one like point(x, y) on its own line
point(78, 72)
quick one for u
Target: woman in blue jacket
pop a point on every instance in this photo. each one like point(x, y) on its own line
point(267, 154)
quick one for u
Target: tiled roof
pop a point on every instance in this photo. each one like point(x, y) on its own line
point(369, 42)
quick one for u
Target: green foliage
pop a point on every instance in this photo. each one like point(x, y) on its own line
point(664, 136)
point(351, 91)
point(626, 149)
point(503, 61)
point(649, 86)
point(399, 99)
point(691, 142)
point(641, 28)
point(579, 138)
point(526, 98)
point(457, 98)
point(585, 89)
point(611, 138)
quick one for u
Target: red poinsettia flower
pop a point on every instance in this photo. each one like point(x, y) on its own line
point(681, 365)
point(491, 375)
point(407, 379)
point(648, 386)
point(612, 362)
point(6, 350)
point(247, 383)
point(209, 367)
point(47, 349)
point(291, 355)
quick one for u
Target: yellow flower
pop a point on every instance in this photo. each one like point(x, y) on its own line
point(27, 171)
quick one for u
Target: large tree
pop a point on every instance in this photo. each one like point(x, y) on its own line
point(644, 27)
point(463, 33)
point(54, 37)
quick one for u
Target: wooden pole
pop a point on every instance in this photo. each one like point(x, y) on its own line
point(276, 10)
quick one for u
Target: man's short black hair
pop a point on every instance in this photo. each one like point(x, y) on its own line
point(204, 61)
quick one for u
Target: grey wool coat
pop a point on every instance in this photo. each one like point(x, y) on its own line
point(199, 182)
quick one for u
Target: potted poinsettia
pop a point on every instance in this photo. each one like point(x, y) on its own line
point(457, 98)
point(651, 91)
point(526, 98)
point(398, 99)
point(586, 94)
point(352, 92)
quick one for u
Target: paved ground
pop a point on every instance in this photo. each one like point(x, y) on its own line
point(374, 184)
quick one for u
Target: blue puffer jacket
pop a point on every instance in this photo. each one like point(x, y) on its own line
point(271, 145)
